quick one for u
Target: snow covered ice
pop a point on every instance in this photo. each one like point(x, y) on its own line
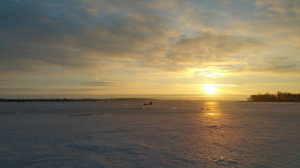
point(165, 134)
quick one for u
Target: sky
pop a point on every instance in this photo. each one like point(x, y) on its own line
point(148, 48)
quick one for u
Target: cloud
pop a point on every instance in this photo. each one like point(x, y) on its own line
point(279, 6)
point(109, 38)
point(35, 41)
point(221, 84)
point(102, 84)
point(275, 20)
point(278, 69)
point(277, 23)
point(210, 48)
point(226, 2)
point(207, 19)
point(123, 7)
point(39, 90)
point(6, 82)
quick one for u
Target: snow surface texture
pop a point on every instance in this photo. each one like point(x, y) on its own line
point(166, 134)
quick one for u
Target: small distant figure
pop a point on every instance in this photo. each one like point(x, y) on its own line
point(150, 103)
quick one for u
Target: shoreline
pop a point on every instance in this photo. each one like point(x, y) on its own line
point(77, 100)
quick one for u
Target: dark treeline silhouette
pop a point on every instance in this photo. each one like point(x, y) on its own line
point(279, 97)
point(74, 100)
point(47, 100)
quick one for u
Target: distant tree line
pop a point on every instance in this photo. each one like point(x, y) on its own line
point(46, 100)
point(279, 97)
point(74, 100)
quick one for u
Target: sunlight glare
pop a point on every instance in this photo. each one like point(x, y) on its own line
point(209, 89)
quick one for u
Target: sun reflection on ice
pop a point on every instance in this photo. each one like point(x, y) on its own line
point(212, 114)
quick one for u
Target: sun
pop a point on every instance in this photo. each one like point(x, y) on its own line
point(209, 89)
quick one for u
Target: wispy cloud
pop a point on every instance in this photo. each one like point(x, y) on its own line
point(103, 84)
point(220, 84)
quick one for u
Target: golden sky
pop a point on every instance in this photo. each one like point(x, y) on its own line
point(107, 48)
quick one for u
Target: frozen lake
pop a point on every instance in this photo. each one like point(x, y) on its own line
point(166, 134)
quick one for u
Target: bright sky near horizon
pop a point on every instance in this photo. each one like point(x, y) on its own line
point(112, 47)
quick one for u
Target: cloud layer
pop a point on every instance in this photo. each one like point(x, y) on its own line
point(77, 41)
